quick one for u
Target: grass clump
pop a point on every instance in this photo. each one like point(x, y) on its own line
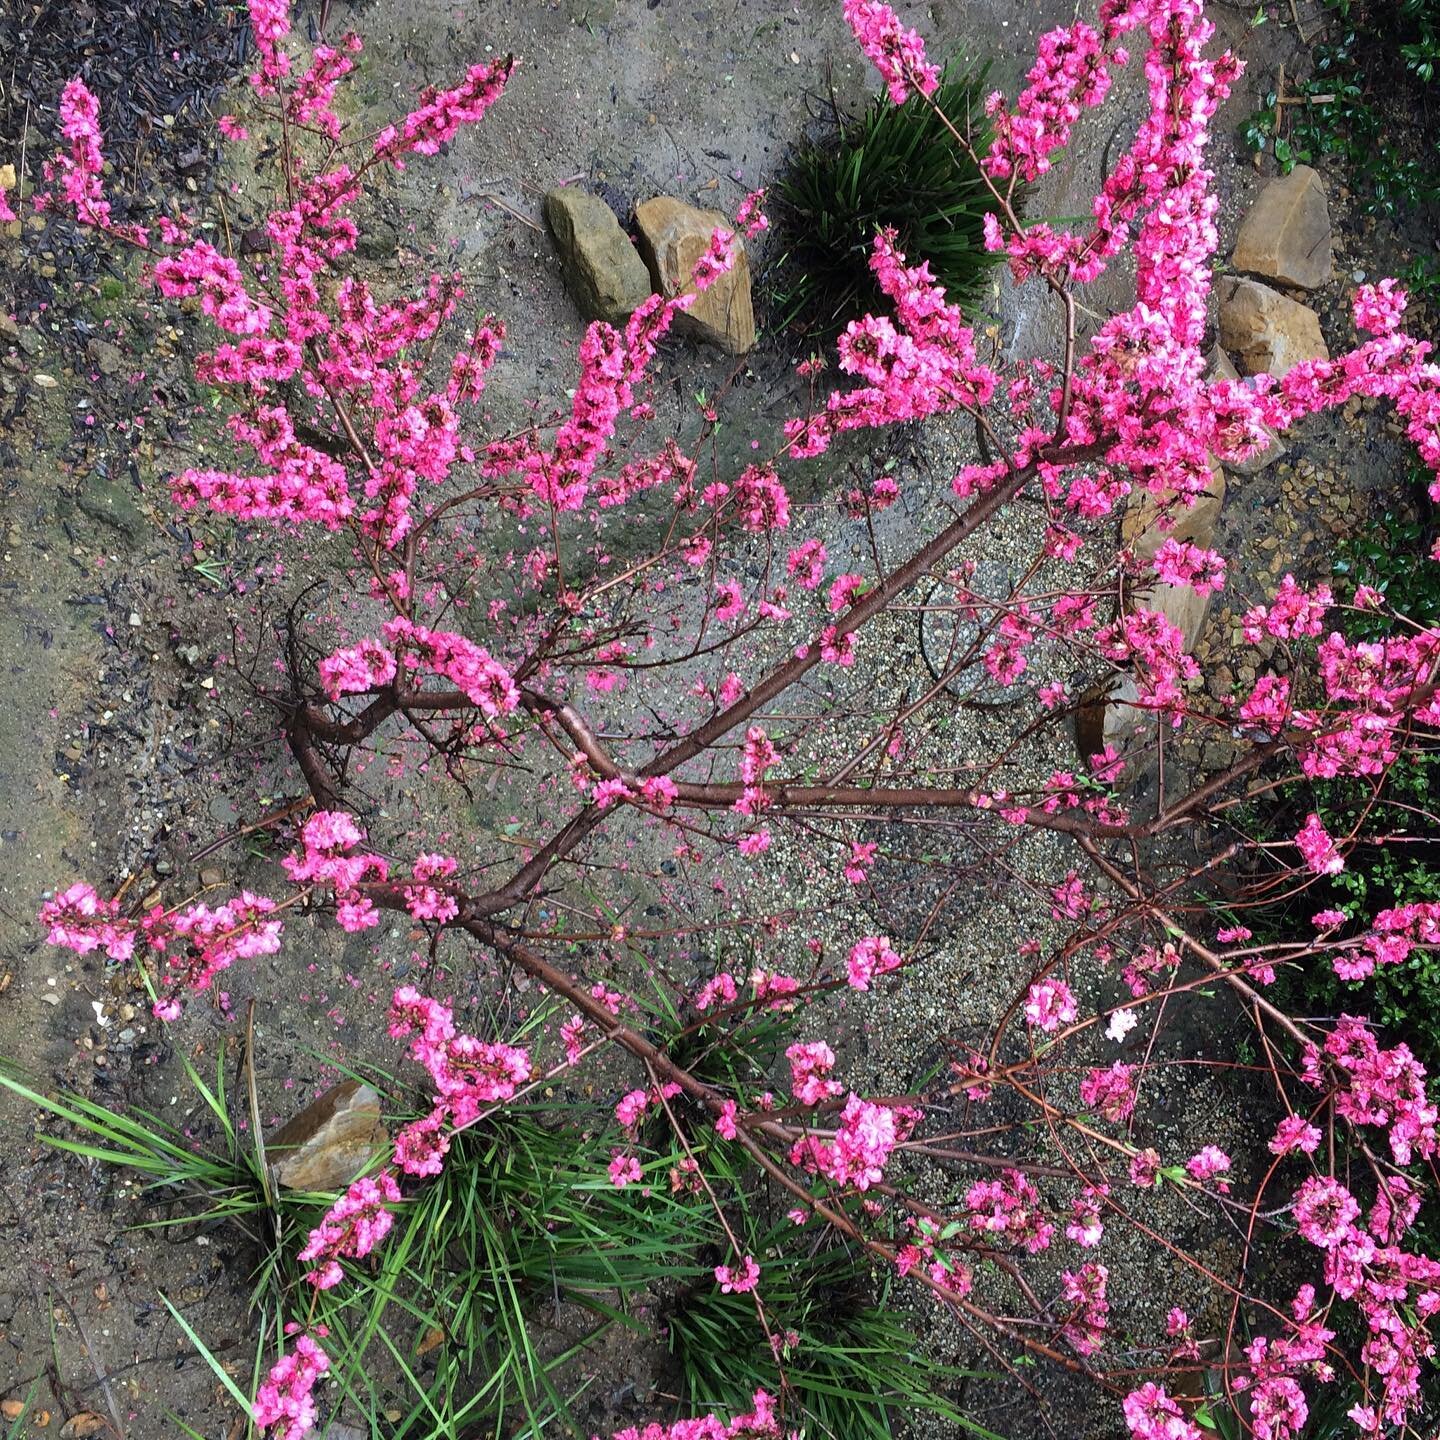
point(848, 1359)
point(510, 1283)
point(893, 166)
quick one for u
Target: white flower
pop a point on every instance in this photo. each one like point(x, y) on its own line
point(1122, 1022)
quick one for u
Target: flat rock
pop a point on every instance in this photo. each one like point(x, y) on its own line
point(1151, 519)
point(1107, 715)
point(606, 278)
point(673, 236)
point(1182, 605)
point(1285, 236)
point(107, 357)
point(1218, 367)
point(110, 502)
point(1264, 331)
point(330, 1141)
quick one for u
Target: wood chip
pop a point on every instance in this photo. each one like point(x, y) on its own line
point(87, 1422)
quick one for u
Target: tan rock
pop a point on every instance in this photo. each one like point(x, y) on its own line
point(1218, 367)
point(330, 1141)
point(1107, 715)
point(1182, 605)
point(1264, 331)
point(603, 271)
point(1151, 519)
point(1286, 234)
point(673, 236)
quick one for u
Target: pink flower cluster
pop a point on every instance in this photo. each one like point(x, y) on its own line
point(1314, 843)
point(739, 1279)
point(356, 669)
point(1049, 1004)
point(1381, 1088)
point(191, 945)
point(327, 857)
point(441, 113)
point(897, 53)
point(285, 1403)
point(1084, 1307)
point(810, 1066)
point(78, 168)
point(759, 1424)
point(469, 1073)
point(351, 1228)
point(1110, 1092)
point(469, 667)
point(869, 958)
point(1009, 1208)
point(862, 1145)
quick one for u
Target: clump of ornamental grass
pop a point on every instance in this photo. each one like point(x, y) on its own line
point(894, 166)
point(456, 1327)
point(506, 1268)
point(848, 1356)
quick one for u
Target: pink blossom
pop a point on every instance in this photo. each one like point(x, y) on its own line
point(750, 218)
point(1293, 1133)
point(1152, 1415)
point(284, 1404)
point(1083, 1303)
point(810, 1064)
point(870, 957)
point(1207, 1163)
point(740, 1279)
point(1325, 1211)
point(1110, 1092)
point(1184, 564)
point(624, 1169)
point(441, 113)
point(1378, 307)
point(897, 53)
point(1049, 1004)
point(353, 1226)
point(421, 1146)
point(1315, 844)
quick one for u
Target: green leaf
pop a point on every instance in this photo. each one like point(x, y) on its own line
point(209, 1359)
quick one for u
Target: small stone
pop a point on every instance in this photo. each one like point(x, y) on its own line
point(606, 278)
point(330, 1141)
point(109, 502)
point(45, 382)
point(1265, 332)
point(83, 1425)
point(1286, 234)
point(107, 357)
point(673, 236)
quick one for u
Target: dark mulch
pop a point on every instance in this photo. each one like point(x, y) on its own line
point(158, 68)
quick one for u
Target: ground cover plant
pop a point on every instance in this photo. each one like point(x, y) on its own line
point(716, 695)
